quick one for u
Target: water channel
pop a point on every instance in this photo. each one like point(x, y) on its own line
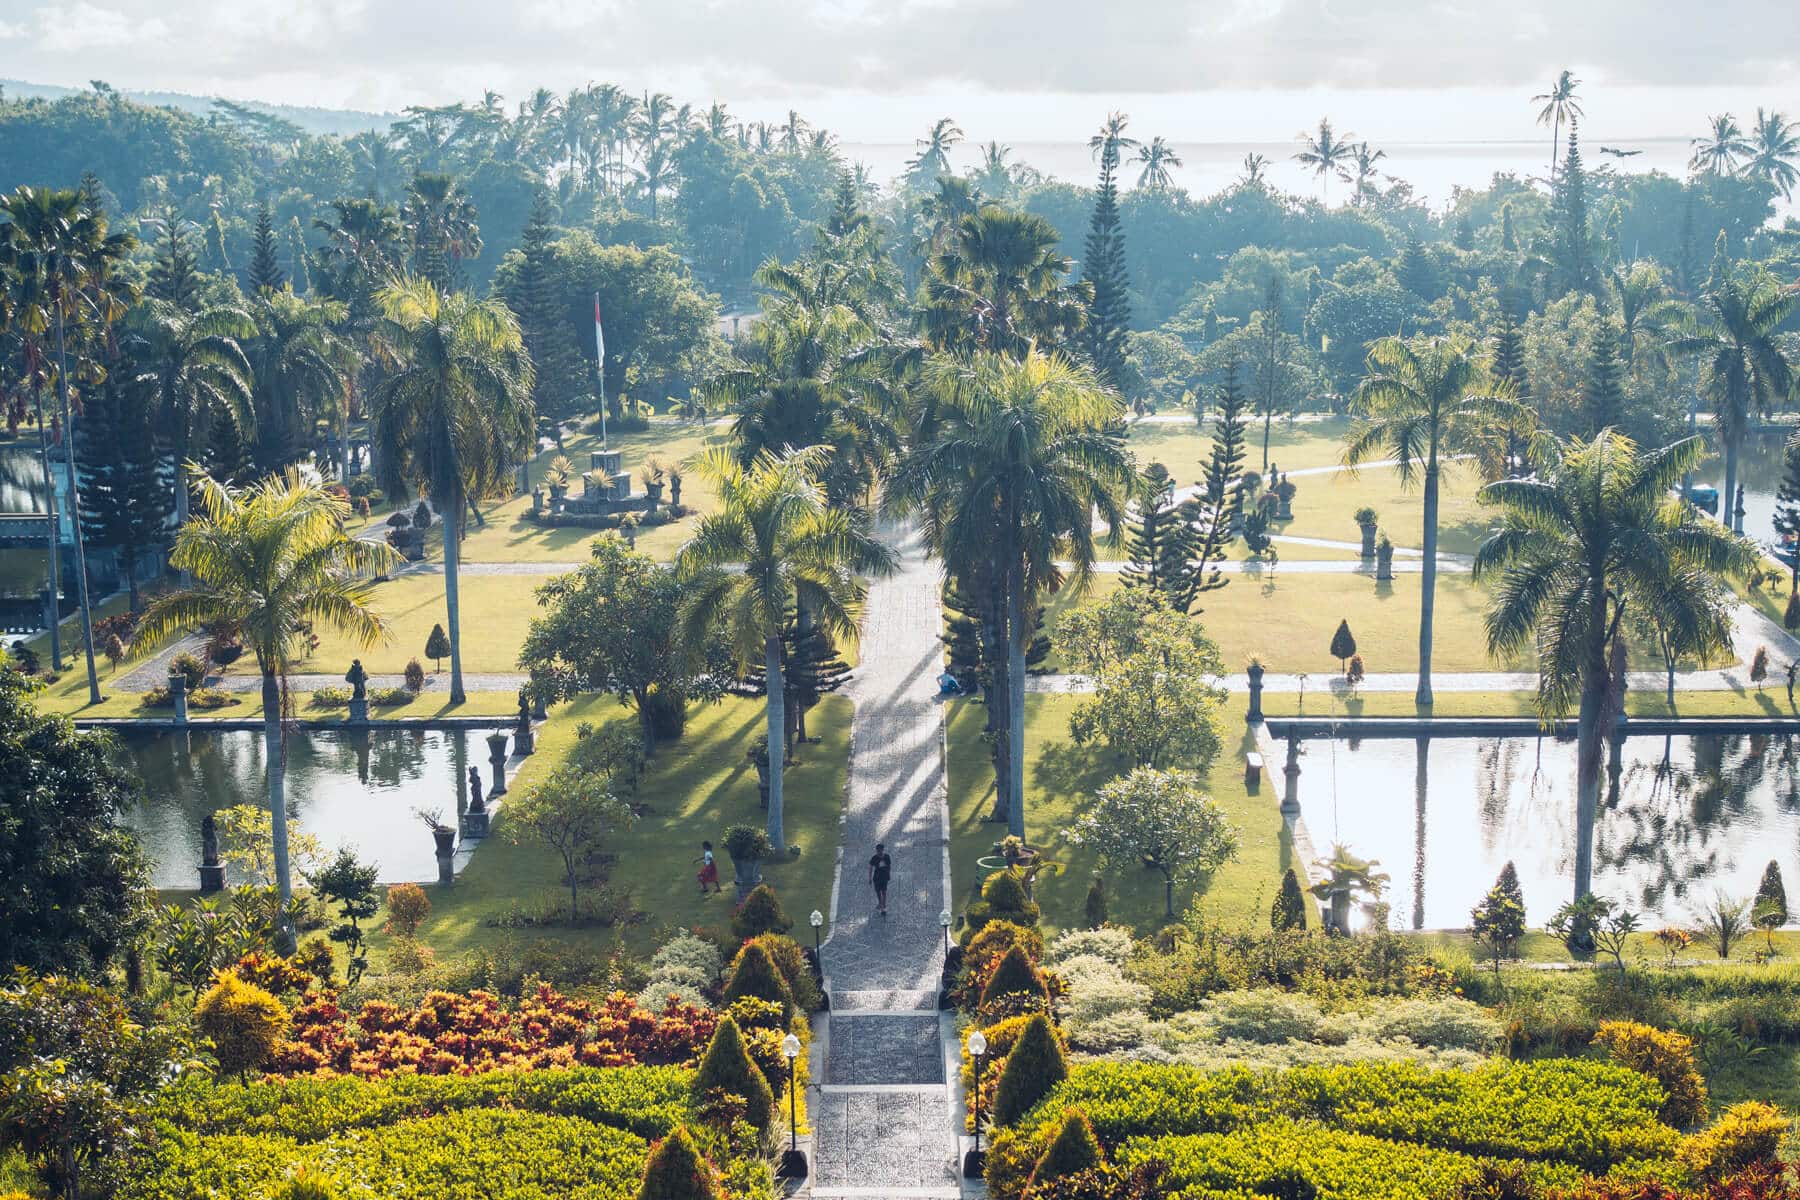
point(346, 789)
point(1681, 819)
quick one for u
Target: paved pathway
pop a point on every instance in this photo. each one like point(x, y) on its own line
point(884, 1118)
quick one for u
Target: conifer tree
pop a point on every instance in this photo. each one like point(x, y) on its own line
point(1507, 884)
point(1161, 540)
point(1416, 272)
point(1769, 911)
point(1687, 252)
point(175, 270)
point(1289, 909)
point(1343, 644)
point(1216, 513)
point(1103, 265)
point(124, 499)
point(1603, 395)
point(1509, 238)
point(813, 670)
point(226, 455)
point(676, 1170)
point(1209, 323)
point(1508, 367)
point(1787, 510)
point(264, 271)
point(1572, 250)
point(543, 321)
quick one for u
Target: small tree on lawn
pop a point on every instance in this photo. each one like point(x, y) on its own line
point(1769, 910)
point(1356, 673)
point(1508, 882)
point(1759, 667)
point(1497, 923)
point(1157, 819)
point(1343, 645)
point(1289, 909)
point(572, 812)
point(351, 886)
point(437, 647)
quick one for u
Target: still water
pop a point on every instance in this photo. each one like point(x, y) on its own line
point(346, 789)
point(1684, 817)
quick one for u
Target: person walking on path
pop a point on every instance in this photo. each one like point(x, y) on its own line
point(709, 870)
point(880, 868)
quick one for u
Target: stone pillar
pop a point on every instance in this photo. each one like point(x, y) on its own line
point(1290, 800)
point(497, 758)
point(1384, 562)
point(537, 501)
point(1368, 541)
point(523, 741)
point(476, 818)
point(178, 696)
point(359, 710)
point(1255, 713)
point(445, 838)
point(212, 871)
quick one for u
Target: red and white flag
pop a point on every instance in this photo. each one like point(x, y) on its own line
point(599, 335)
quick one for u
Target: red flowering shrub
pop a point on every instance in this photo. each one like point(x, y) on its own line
point(1761, 1182)
point(449, 1033)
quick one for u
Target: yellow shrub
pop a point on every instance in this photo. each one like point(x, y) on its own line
point(1667, 1058)
point(1745, 1133)
point(243, 1021)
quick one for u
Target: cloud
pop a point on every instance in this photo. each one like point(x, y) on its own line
point(83, 27)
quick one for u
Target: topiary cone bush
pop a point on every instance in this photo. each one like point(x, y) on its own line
point(754, 973)
point(1016, 973)
point(676, 1170)
point(727, 1066)
point(760, 913)
point(1075, 1148)
point(1035, 1066)
point(1003, 898)
point(1289, 909)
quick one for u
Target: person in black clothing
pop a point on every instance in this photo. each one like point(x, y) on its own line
point(880, 867)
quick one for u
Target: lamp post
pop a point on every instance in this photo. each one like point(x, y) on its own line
point(975, 1162)
point(793, 1163)
point(944, 924)
point(817, 920)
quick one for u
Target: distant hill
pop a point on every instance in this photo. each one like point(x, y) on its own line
point(313, 120)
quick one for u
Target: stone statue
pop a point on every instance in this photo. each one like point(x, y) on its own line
point(475, 789)
point(357, 678)
point(524, 710)
point(209, 841)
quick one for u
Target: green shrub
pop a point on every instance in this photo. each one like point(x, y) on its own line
point(1745, 1134)
point(983, 954)
point(754, 973)
point(1003, 898)
point(727, 1067)
point(1015, 973)
point(1665, 1057)
point(1093, 907)
point(1073, 1149)
point(243, 1022)
point(790, 960)
point(760, 913)
point(391, 697)
point(1289, 909)
point(1034, 1067)
point(676, 1170)
point(329, 697)
point(304, 1186)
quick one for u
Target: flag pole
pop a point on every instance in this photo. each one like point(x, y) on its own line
point(600, 366)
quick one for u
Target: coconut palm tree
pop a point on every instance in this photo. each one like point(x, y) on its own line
point(774, 547)
point(60, 271)
point(441, 221)
point(1325, 152)
point(1744, 368)
point(453, 413)
point(933, 158)
point(1361, 172)
point(196, 364)
point(999, 284)
point(378, 164)
point(1424, 399)
point(303, 369)
point(1254, 166)
point(1022, 454)
point(995, 178)
point(1719, 151)
point(1645, 311)
point(1111, 137)
point(1559, 105)
point(273, 562)
point(1774, 147)
point(1157, 158)
point(1594, 536)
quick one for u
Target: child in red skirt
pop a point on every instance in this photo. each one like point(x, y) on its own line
point(709, 870)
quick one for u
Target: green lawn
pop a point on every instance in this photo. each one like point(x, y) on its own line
point(1184, 448)
point(496, 612)
point(693, 789)
point(1059, 779)
point(1324, 504)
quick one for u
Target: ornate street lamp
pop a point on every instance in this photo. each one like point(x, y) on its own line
point(817, 920)
point(975, 1161)
point(793, 1162)
point(944, 924)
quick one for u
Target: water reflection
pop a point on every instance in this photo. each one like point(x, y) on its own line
point(352, 788)
point(1680, 818)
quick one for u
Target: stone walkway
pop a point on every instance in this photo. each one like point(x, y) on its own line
point(884, 1114)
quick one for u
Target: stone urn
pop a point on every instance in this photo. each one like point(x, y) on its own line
point(653, 490)
point(747, 846)
point(1368, 540)
point(1255, 672)
point(178, 696)
point(496, 743)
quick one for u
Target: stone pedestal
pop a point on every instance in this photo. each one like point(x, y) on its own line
point(1368, 542)
point(1255, 712)
point(1290, 799)
point(1384, 564)
point(475, 824)
point(212, 878)
point(178, 697)
point(537, 501)
point(212, 871)
point(446, 855)
point(745, 876)
point(497, 759)
point(359, 711)
point(523, 741)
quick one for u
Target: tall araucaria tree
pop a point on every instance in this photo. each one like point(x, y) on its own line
point(1103, 259)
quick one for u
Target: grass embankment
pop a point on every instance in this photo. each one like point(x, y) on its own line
point(693, 789)
point(1060, 777)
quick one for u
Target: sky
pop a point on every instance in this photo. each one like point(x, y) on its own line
point(878, 71)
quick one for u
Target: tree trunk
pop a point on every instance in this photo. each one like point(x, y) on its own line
point(777, 730)
point(1588, 744)
point(1016, 636)
point(81, 579)
point(1728, 498)
point(53, 538)
point(275, 761)
point(128, 559)
point(452, 523)
point(1428, 583)
point(993, 652)
point(1421, 792)
point(646, 725)
point(1168, 897)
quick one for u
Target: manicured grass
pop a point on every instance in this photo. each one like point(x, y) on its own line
point(496, 612)
point(694, 788)
point(1060, 777)
point(1324, 504)
point(1185, 448)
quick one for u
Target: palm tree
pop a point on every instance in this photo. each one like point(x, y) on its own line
point(1363, 160)
point(378, 164)
point(441, 221)
point(1022, 454)
point(59, 265)
point(1719, 151)
point(304, 369)
point(1325, 152)
point(365, 245)
point(1744, 369)
point(1254, 166)
point(794, 132)
point(453, 414)
point(196, 365)
point(933, 158)
point(1157, 158)
point(273, 562)
point(999, 284)
point(1774, 147)
point(1423, 400)
point(1595, 534)
point(1111, 137)
point(1560, 105)
point(1642, 303)
point(775, 547)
